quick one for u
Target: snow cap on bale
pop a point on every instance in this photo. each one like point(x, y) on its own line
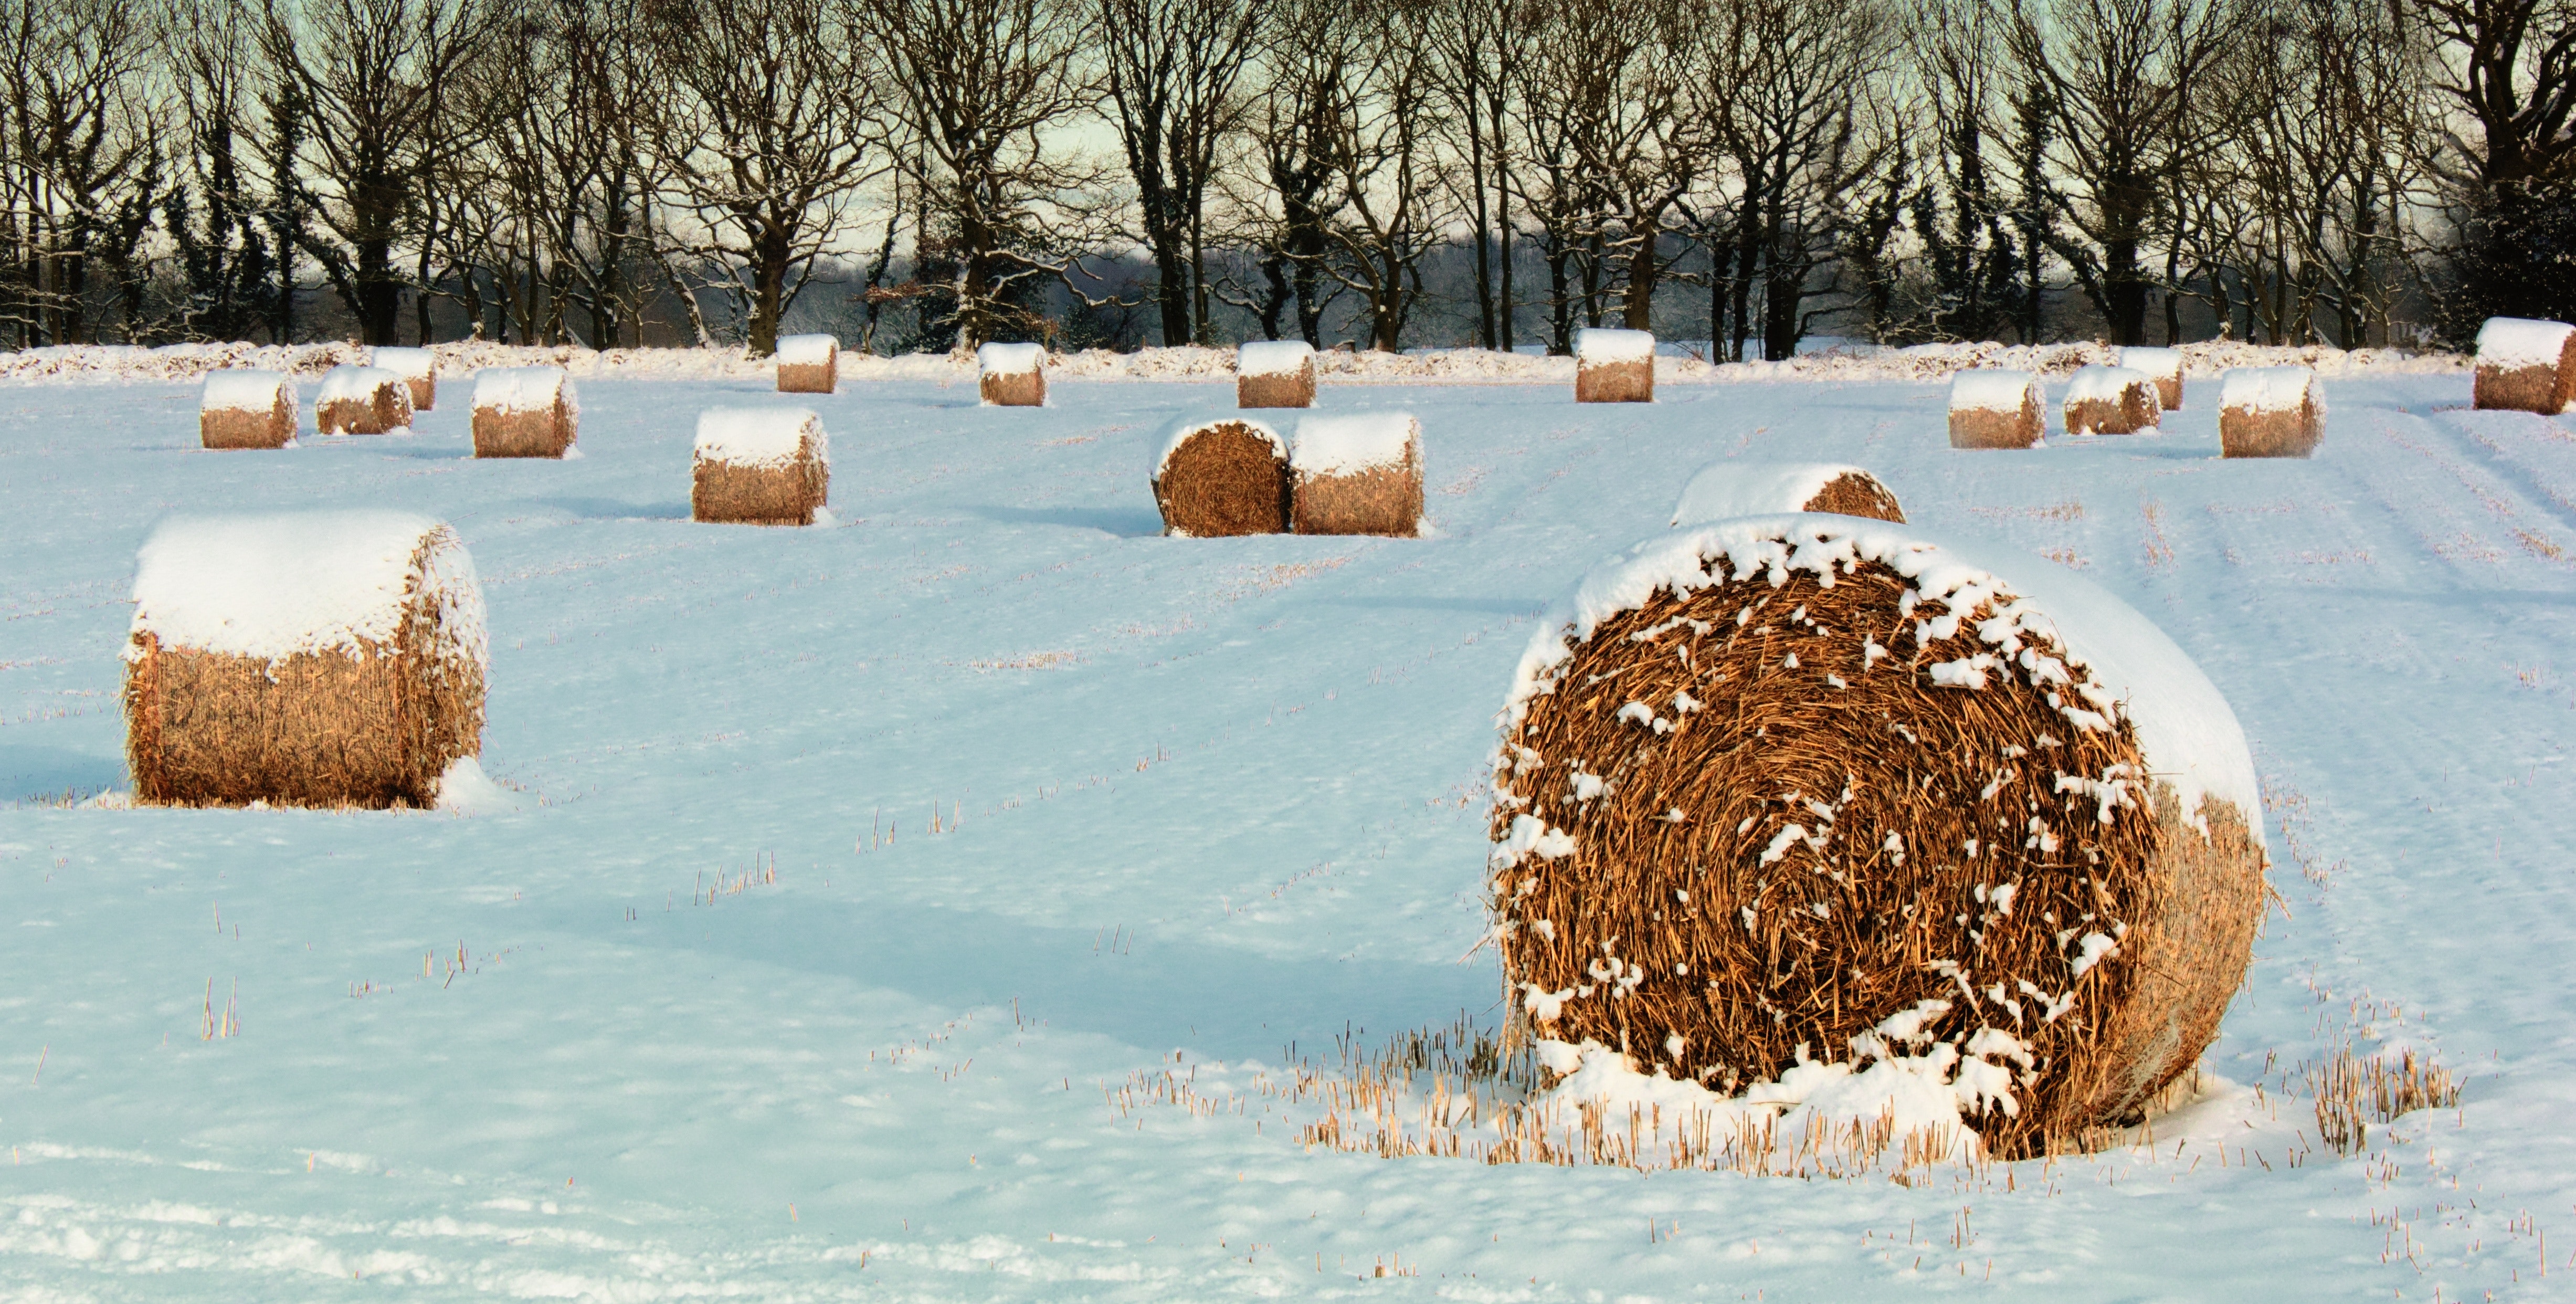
point(1805, 789)
point(1274, 374)
point(362, 401)
point(1614, 366)
point(1723, 490)
point(1356, 473)
point(808, 364)
point(760, 466)
point(246, 409)
point(1222, 476)
point(525, 412)
point(2270, 412)
point(2525, 366)
point(419, 370)
point(1996, 409)
point(1011, 375)
point(2164, 365)
point(309, 658)
point(2111, 401)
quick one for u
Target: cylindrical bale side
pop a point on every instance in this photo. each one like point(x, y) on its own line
point(1013, 389)
point(387, 407)
point(242, 428)
point(789, 494)
point(525, 432)
point(1979, 428)
point(2134, 410)
point(1631, 381)
point(1278, 390)
point(2275, 432)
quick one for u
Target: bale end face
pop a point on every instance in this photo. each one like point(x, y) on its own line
point(1013, 389)
point(1223, 480)
point(1855, 494)
point(789, 494)
point(1631, 381)
point(2274, 432)
point(1293, 390)
point(525, 432)
point(1976, 428)
point(236, 428)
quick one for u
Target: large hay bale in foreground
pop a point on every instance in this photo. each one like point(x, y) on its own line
point(1614, 366)
point(419, 370)
point(1228, 476)
point(760, 466)
point(2164, 366)
point(2525, 366)
point(809, 364)
point(1274, 374)
point(2111, 401)
point(1725, 490)
point(1997, 409)
point(525, 412)
point(2270, 412)
point(1808, 786)
point(246, 409)
point(358, 400)
point(1011, 375)
point(1356, 473)
point(303, 659)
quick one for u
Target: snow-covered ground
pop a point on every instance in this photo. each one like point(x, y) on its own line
point(871, 887)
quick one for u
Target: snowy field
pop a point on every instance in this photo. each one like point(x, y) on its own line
point(861, 871)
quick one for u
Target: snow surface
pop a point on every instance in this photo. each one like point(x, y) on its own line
point(761, 436)
point(1217, 796)
point(2107, 383)
point(1342, 443)
point(410, 364)
point(1726, 489)
point(1990, 390)
point(353, 383)
point(2267, 389)
point(271, 585)
point(1180, 429)
point(807, 350)
point(464, 789)
point(1603, 344)
point(524, 389)
point(245, 391)
point(1010, 359)
point(2517, 342)
point(1273, 357)
point(2154, 362)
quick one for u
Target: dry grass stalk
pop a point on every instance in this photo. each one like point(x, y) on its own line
point(2352, 1093)
point(1225, 478)
point(1683, 927)
point(230, 415)
point(373, 404)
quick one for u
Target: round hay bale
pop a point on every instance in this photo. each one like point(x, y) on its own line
point(1803, 787)
point(419, 370)
point(1356, 473)
point(525, 412)
point(809, 364)
point(2270, 412)
point(2164, 365)
point(2111, 401)
point(2525, 366)
point(760, 466)
point(1614, 366)
point(1011, 375)
point(1723, 490)
point(304, 659)
point(358, 400)
point(1996, 409)
point(1274, 374)
point(1228, 476)
point(246, 409)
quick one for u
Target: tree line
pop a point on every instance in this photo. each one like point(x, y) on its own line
point(937, 173)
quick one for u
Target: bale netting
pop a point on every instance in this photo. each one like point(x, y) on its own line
point(419, 370)
point(303, 659)
point(2164, 366)
point(760, 466)
point(1996, 409)
point(809, 364)
point(1614, 366)
point(246, 409)
point(2525, 366)
point(1808, 788)
point(2270, 412)
point(2111, 401)
point(1724, 490)
point(525, 412)
point(1356, 473)
point(1274, 374)
point(1011, 375)
point(358, 400)
point(1228, 476)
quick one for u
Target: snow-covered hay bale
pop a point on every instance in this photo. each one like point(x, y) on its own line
point(1228, 476)
point(525, 412)
point(1997, 409)
point(304, 659)
point(246, 409)
point(419, 370)
point(2270, 412)
point(1725, 490)
point(1012, 375)
point(1614, 366)
point(1356, 473)
point(1809, 786)
point(809, 364)
point(1274, 374)
point(760, 466)
point(2111, 401)
point(358, 400)
point(2525, 366)
point(2164, 365)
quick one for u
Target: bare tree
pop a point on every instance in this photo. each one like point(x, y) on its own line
point(2508, 68)
point(1382, 140)
point(1173, 70)
point(1482, 47)
point(79, 153)
point(1290, 189)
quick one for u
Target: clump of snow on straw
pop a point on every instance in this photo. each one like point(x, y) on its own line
point(1351, 441)
point(2517, 342)
point(1603, 344)
point(760, 437)
point(245, 391)
point(1179, 432)
point(806, 350)
point(272, 586)
point(1990, 390)
point(1010, 359)
point(523, 389)
point(2270, 389)
point(410, 364)
point(1273, 357)
point(2106, 384)
point(1730, 489)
